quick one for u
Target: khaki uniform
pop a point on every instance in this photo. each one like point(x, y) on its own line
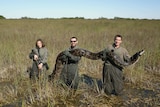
point(112, 74)
point(43, 55)
point(69, 74)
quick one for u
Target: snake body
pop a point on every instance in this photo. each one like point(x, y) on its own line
point(61, 59)
point(111, 56)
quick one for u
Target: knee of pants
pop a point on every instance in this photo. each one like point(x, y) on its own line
point(108, 92)
point(74, 86)
point(118, 90)
point(32, 73)
point(108, 88)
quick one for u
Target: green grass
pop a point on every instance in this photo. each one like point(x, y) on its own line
point(17, 38)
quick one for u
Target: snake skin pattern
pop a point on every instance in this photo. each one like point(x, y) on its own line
point(60, 60)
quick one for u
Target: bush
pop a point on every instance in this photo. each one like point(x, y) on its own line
point(2, 17)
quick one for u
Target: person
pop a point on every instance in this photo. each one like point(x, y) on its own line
point(112, 75)
point(70, 74)
point(39, 55)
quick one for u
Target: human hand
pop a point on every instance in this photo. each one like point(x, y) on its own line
point(35, 57)
point(40, 66)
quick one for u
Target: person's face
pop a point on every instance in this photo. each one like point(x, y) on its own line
point(118, 41)
point(39, 44)
point(73, 42)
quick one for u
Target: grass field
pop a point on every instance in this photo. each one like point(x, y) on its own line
point(17, 38)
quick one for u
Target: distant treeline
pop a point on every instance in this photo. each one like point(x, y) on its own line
point(115, 18)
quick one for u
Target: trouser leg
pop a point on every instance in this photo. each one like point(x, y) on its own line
point(34, 72)
point(112, 80)
point(43, 77)
point(75, 83)
point(107, 80)
point(117, 81)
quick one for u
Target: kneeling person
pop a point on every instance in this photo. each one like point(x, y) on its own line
point(70, 74)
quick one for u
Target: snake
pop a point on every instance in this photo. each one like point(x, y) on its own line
point(111, 56)
point(61, 59)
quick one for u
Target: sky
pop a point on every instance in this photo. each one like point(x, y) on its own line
point(92, 9)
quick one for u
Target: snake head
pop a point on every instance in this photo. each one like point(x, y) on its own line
point(141, 52)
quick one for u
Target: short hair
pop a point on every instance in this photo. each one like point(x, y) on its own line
point(117, 36)
point(43, 45)
point(73, 38)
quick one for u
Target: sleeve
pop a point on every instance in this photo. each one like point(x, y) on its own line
point(45, 57)
point(33, 52)
point(126, 56)
point(72, 57)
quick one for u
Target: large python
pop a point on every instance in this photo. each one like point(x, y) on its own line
point(61, 59)
point(110, 56)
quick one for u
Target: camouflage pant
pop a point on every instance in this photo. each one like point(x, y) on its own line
point(112, 79)
point(35, 73)
point(70, 76)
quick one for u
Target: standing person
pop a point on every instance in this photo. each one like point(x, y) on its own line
point(112, 74)
point(70, 74)
point(39, 56)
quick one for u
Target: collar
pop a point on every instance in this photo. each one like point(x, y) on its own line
point(114, 46)
point(73, 47)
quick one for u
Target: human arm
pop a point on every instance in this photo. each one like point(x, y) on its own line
point(134, 58)
point(34, 54)
point(43, 55)
point(71, 57)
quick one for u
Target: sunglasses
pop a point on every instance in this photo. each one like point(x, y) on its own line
point(73, 41)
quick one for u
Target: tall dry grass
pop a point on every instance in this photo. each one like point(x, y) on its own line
point(17, 38)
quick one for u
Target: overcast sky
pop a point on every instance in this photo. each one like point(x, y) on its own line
point(142, 9)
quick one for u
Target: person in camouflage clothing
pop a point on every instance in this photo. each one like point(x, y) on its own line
point(112, 74)
point(70, 74)
point(39, 55)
